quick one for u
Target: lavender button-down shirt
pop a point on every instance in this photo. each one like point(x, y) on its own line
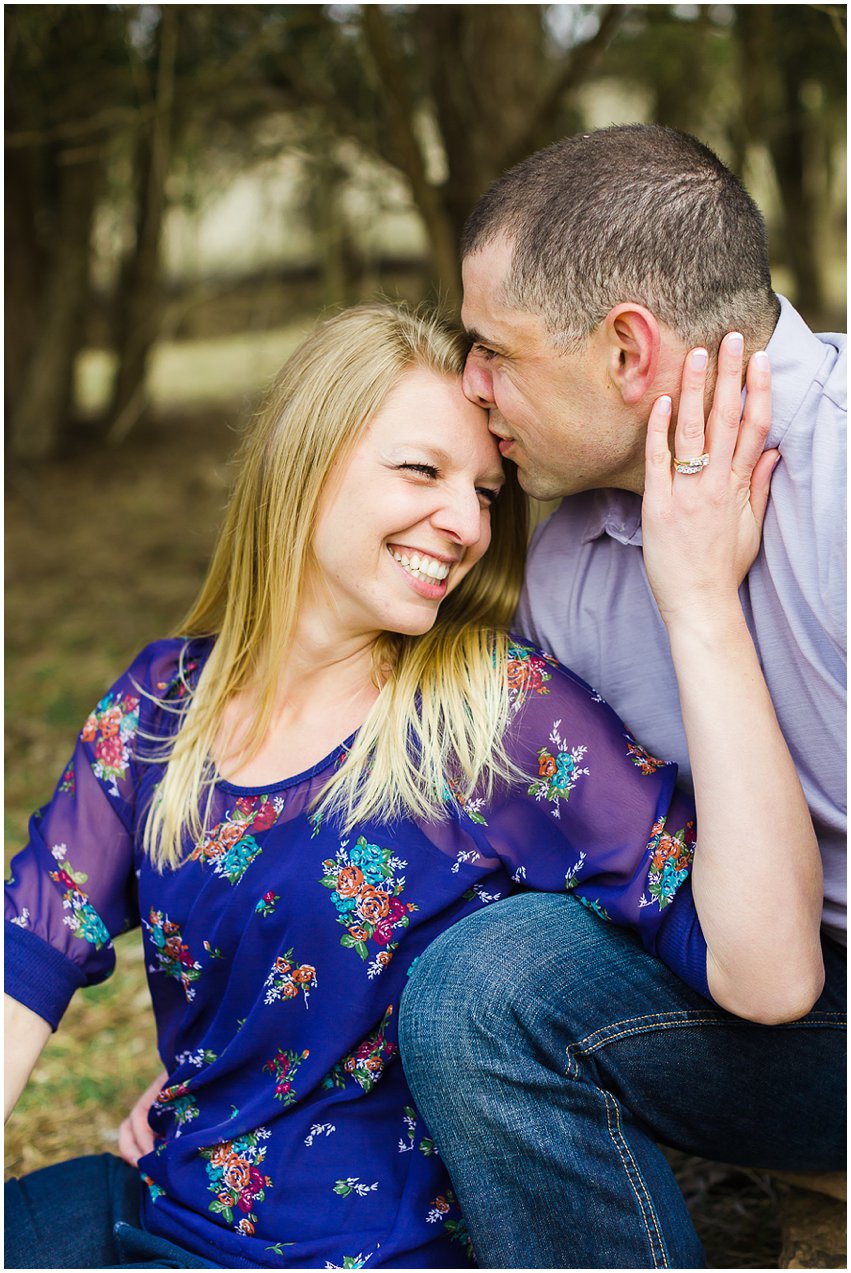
point(587, 598)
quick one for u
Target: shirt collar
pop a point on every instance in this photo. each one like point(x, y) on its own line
point(613, 513)
point(796, 356)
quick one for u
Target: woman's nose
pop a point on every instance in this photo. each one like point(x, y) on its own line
point(461, 518)
point(477, 382)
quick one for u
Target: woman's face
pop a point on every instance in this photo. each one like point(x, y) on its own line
point(407, 515)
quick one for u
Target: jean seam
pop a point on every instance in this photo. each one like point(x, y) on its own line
point(642, 1194)
point(617, 1030)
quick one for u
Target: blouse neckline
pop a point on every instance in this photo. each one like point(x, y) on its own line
point(282, 783)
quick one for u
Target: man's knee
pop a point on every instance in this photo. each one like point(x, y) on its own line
point(498, 972)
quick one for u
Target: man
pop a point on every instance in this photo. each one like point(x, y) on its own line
point(547, 1051)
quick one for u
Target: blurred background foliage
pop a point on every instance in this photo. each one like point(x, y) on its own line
point(178, 173)
point(187, 188)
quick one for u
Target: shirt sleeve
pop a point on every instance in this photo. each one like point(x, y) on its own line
point(73, 887)
point(595, 814)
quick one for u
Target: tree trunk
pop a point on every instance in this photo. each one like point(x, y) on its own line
point(139, 292)
point(790, 147)
point(401, 121)
point(774, 112)
point(43, 344)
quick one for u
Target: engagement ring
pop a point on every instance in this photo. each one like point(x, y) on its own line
point(691, 466)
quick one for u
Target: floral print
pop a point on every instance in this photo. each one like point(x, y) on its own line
point(154, 1190)
point(318, 1129)
point(571, 877)
point(266, 906)
point(558, 774)
point(641, 758)
point(445, 1210)
point(470, 808)
point(527, 672)
point(352, 1185)
point(231, 845)
point(596, 906)
point(359, 1261)
point(265, 1018)
point(172, 953)
point(407, 1142)
point(111, 728)
point(670, 859)
point(366, 1063)
point(233, 1170)
point(365, 889)
point(198, 1058)
point(178, 687)
point(179, 1101)
point(83, 920)
point(284, 1066)
point(288, 979)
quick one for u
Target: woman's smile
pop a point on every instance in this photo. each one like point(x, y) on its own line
point(426, 574)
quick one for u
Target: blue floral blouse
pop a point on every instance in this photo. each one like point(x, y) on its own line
point(278, 952)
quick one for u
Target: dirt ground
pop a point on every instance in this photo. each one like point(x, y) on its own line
point(104, 552)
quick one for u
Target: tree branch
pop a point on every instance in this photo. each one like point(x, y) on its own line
point(400, 112)
point(575, 68)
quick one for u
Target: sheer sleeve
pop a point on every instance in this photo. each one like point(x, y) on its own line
point(597, 815)
point(73, 887)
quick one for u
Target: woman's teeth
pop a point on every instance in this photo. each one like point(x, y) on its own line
point(422, 567)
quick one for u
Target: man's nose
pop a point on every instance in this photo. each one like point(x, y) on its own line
point(477, 382)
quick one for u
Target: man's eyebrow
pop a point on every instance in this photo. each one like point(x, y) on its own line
point(477, 338)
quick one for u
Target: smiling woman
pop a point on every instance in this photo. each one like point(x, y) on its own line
point(342, 753)
point(433, 474)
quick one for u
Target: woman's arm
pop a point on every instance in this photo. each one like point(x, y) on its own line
point(26, 1035)
point(757, 878)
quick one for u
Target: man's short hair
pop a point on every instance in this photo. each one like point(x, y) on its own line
point(636, 212)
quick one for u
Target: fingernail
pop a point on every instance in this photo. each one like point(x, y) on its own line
point(761, 359)
point(735, 342)
point(698, 359)
point(664, 405)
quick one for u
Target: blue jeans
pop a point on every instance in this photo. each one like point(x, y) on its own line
point(84, 1214)
point(548, 1053)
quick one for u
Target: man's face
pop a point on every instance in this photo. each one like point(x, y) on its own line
point(558, 415)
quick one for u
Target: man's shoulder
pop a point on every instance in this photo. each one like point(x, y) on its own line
point(809, 372)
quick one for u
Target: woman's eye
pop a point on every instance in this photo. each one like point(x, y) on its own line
point(425, 470)
point(488, 494)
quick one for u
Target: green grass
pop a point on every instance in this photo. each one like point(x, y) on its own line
point(104, 553)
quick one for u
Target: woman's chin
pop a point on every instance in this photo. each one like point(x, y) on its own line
point(412, 625)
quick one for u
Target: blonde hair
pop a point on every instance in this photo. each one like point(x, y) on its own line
point(442, 707)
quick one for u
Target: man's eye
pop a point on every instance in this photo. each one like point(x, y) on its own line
point(482, 351)
point(426, 470)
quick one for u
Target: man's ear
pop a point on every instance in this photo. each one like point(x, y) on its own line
point(633, 345)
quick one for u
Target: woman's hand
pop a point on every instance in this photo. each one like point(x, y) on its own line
point(701, 531)
point(135, 1138)
point(759, 905)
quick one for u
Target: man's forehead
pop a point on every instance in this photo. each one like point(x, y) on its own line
point(484, 310)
